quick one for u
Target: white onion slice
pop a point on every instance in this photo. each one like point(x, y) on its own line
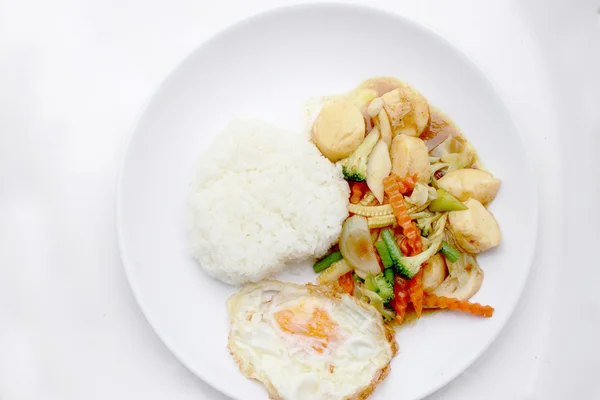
point(357, 248)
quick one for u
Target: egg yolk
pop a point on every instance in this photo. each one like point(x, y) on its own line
point(299, 321)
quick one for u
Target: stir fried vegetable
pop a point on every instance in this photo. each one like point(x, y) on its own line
point(464, 279)
point(409, 229)
point(357, 279)
point(357, 189)
point(386, 128)
point(334, 272)
point(384, 254)
point(389, 275)
point(457, 161)
point(409, 266)
point(403, 243)
point(417, 204)
point(420, 195)
point(370, 211)
point(374, 107)
point(355, 165)
point(381, 221)
point(368, 199)
point(407, 185)
point(347, 283)
point(426, 224)
point(433, 301)
point(376, 301)
point(449, 252)
point(446, 202)
point(415, 292)
point(378, 167)
point(326, 261)
point(401, 298)
point(357, 248)
point(380, 285)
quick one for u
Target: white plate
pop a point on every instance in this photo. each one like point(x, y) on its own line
point(267, 67)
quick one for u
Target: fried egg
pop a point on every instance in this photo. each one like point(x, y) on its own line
point(308, 342)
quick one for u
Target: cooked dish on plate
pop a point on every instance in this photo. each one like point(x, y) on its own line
point(389, 197)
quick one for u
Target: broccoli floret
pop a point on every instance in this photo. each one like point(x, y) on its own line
point(408, 267)
point(381, 286)
point(376, 301)
point(355, 165)
point(424, 225)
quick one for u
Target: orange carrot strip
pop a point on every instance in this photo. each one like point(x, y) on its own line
point(404, 246)
point(357, 189)
point(401, 298)
point(390, 181)
point(415, 291)
point(393, 186)
point(407, 184)
point(431, 300)
point(346, 282)
point(417, 244)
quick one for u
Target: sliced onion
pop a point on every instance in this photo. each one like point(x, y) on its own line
point(379, 166)
point(461, 291)
point(435, 141)
point(357, 248)
point(472, 286)
point(419, 195)
point(374, 107)
point(384, 125)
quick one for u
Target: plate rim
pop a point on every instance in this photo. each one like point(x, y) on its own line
point(270, 12)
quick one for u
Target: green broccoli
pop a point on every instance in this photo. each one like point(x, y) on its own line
point(355, 165)
point(376, 301)
point(424, 225)
point(408, 267)
point(380, 285)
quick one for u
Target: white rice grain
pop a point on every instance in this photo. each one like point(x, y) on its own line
point(263, 197)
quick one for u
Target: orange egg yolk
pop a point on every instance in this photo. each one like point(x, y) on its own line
point(299, 321)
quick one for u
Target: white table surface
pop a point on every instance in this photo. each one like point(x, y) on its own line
point(73, 76)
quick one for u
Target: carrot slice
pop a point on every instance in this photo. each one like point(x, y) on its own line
point(404, 245)
point(391, 186)
point(415, 291)
point(407, 184)
point(357, 190)
point(431, 300)
point(417, 245)
point(401, 298)
point(346, 282)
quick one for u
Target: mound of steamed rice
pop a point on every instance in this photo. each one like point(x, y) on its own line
point(263, 197)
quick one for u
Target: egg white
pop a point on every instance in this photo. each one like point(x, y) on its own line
point(300, 366)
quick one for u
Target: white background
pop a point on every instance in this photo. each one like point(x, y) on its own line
point(73, 76)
